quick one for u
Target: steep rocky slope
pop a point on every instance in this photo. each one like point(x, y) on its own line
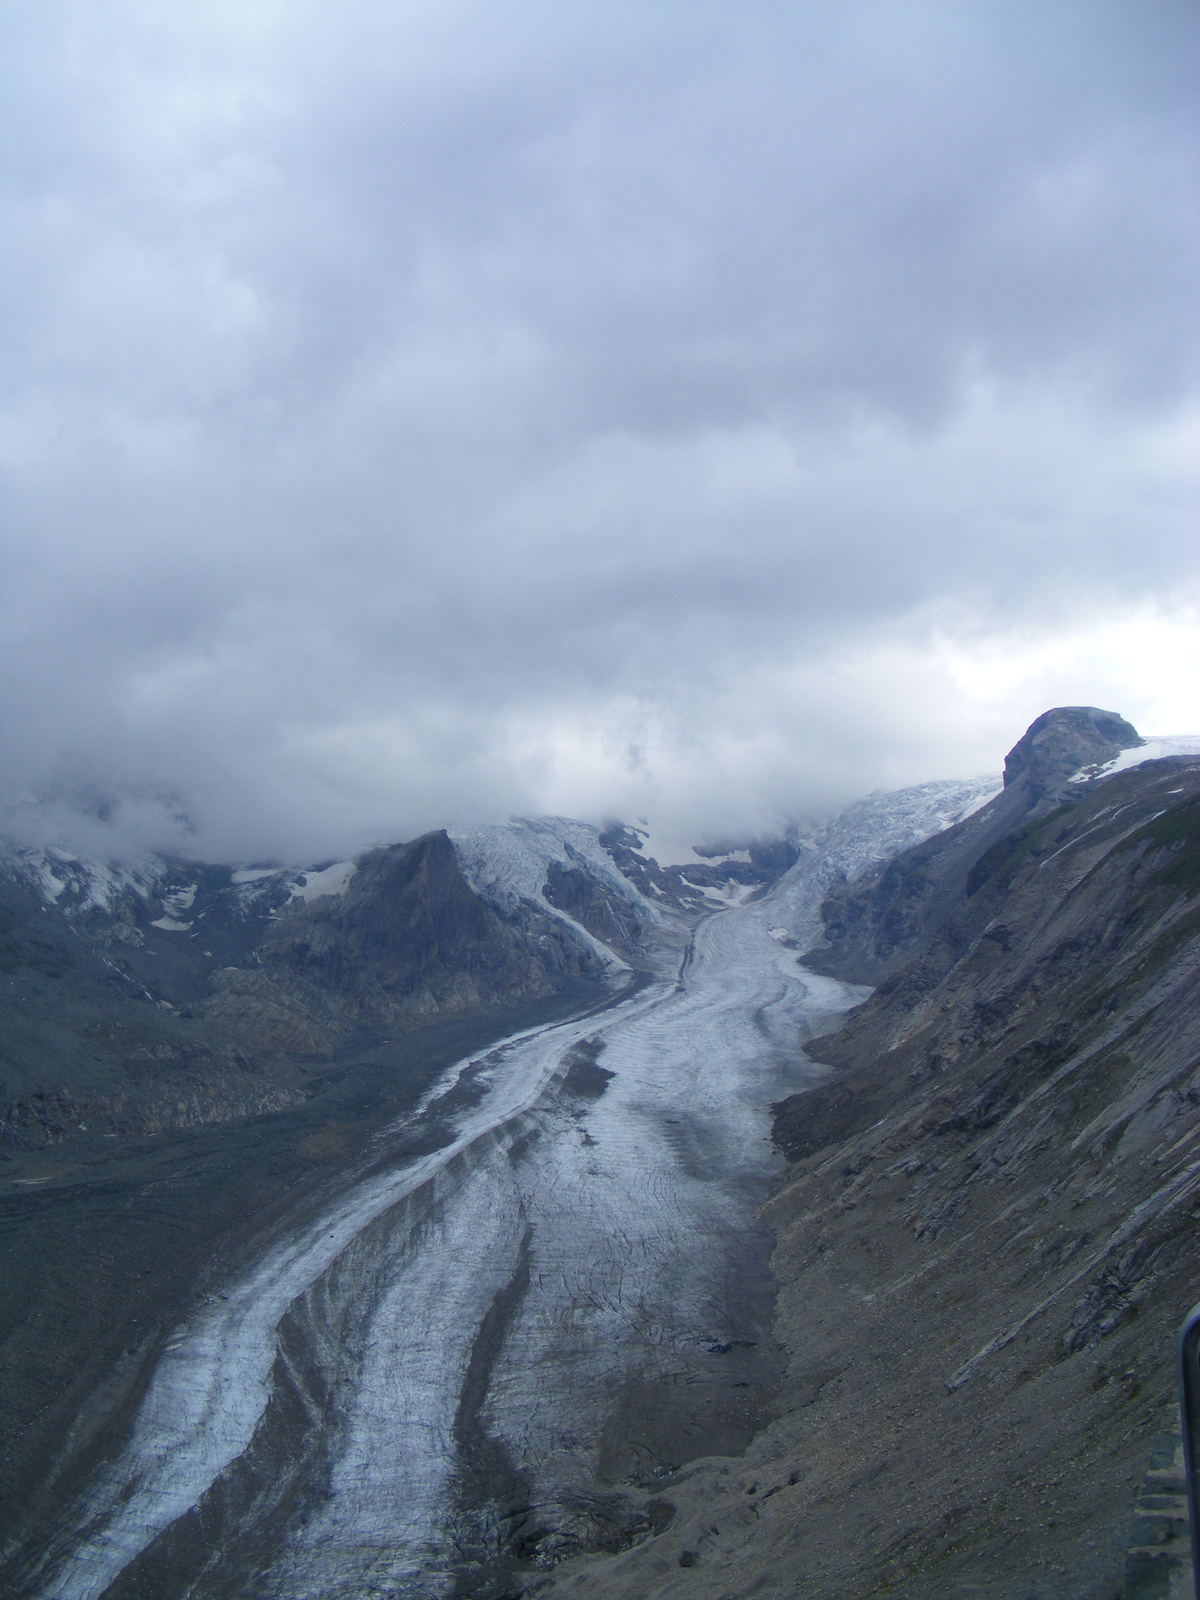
point(988, 1232)
point(881, 921)
point(171, 993)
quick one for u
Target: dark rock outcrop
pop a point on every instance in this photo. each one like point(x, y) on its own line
point(606, 915)
point(409, 939)
point(683, 886)
point(876, 924)
point(1062, 742)
point(665, 885)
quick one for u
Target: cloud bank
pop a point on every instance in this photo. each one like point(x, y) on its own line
point(419, 413)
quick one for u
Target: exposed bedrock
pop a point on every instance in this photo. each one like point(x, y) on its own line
point(881, 921)
point(988, 1234)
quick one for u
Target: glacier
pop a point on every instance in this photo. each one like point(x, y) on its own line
point(475, 1351)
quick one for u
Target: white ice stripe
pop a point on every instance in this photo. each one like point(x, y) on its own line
point(389, 1485)
point(212, 1383)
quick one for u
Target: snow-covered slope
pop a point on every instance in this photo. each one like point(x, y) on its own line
point(175, 896)
point(508, 862)
point(75, 885)
point(863, 837)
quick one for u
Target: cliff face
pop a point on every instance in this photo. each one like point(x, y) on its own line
point(990, 1231)
point(987, 1236)
point(882, 922)
point(1060, 742)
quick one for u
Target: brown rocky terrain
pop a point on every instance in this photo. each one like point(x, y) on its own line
point(987, 1234)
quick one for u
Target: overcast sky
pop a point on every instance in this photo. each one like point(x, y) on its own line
point(413, 413)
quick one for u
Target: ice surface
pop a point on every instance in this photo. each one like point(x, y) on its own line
point(863, 837)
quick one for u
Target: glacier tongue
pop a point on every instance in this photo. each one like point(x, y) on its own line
point(557, 1299)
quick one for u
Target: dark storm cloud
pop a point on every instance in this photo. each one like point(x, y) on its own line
point(418, 412)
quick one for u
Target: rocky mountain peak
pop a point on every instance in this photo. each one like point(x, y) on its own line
point(1063, 740)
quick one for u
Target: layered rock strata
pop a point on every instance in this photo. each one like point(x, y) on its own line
point(988, 1233)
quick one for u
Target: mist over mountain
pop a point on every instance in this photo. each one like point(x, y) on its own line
point(419, 417)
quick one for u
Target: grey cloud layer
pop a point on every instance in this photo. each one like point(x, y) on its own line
point(424, 412)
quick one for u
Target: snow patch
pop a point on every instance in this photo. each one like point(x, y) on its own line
point(169, 925)
point(1155, 748)
point(733, 894)
point(333, 880)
